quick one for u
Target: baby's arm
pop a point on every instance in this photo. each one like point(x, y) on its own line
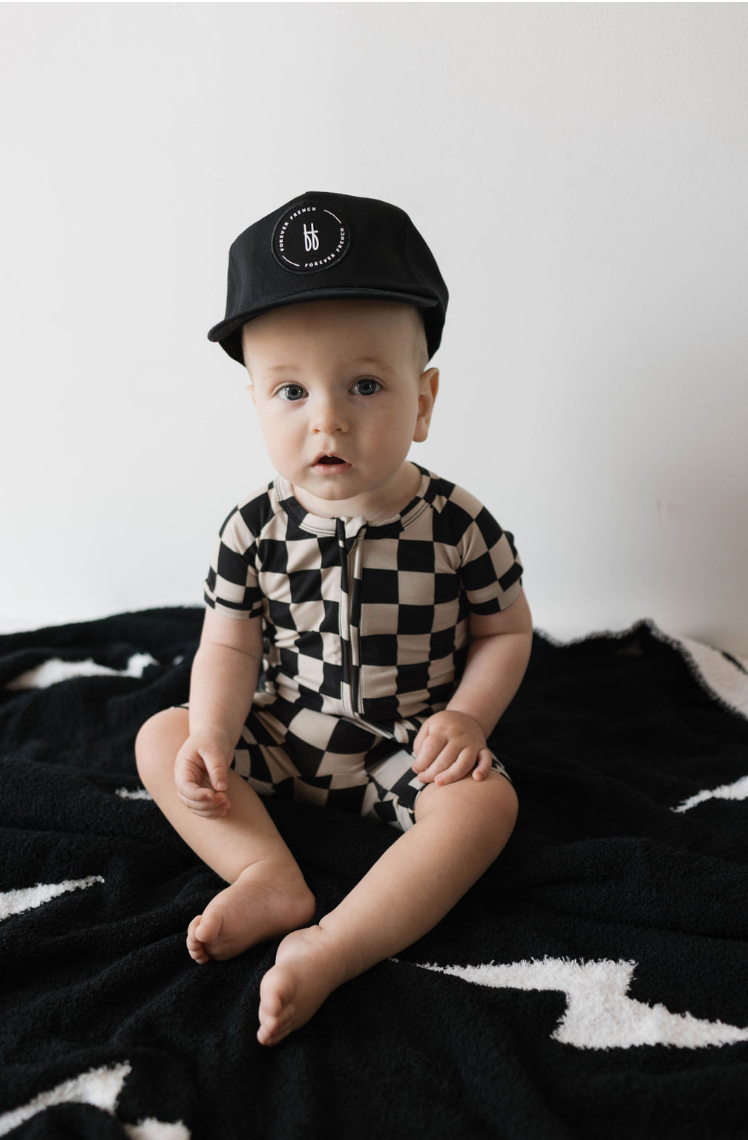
point(451, 741)
point(222, 687)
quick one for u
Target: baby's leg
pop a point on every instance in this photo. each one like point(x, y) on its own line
point(268, 895)
point(460, 829)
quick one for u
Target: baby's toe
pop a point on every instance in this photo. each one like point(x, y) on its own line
point(209, 925)
point(195, 947)
point(274, 1029)
point(192, 941)
point(277, 991)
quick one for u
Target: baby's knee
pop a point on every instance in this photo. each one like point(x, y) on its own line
point(159, 739)
point(511, 801)
point(494, 804)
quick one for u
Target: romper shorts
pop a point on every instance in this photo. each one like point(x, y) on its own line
point(293, 752)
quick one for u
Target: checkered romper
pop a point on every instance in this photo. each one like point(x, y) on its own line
point(365, 636)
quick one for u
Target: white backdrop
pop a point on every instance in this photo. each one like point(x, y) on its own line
point(580, 173)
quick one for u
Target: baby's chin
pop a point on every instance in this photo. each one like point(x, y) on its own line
point(336, 502)
point(319, 503)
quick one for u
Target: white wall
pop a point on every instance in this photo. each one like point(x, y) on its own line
point(579, 171)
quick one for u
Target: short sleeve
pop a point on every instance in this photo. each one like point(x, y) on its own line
point(231, 587)
point(490, 567)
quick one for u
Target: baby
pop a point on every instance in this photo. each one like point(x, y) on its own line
point(365, 623)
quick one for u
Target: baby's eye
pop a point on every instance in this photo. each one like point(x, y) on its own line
point(367, 386)
point(291, 392)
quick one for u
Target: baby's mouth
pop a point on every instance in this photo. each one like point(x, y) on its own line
point(329, 458)
point(331, 463)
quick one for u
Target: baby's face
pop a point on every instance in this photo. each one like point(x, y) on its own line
point(339, 397)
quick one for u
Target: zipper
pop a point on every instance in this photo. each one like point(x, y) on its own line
point(351, 571)
point(356, 554)
point(350, 585)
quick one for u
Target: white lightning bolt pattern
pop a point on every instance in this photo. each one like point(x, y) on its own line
point(599, 1014)
point(735, 791)
point(727, 679)
point(100, 1088)
point(151, 1129)
point(54, 670)
point(138, 794)
point(16, 902)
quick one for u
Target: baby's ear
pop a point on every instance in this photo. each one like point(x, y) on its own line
point(429, 386)
point(251, 389)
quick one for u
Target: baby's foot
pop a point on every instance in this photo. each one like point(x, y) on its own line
point(308, 967)
point(266, 900)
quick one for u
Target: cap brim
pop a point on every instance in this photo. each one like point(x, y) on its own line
point(225, 328)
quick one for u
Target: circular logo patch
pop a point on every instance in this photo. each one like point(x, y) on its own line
point(310, 237)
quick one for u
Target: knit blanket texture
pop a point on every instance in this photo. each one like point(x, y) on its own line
point(592, 983)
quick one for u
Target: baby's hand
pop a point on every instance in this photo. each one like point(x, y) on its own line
point(200, 767)
point(448, 746)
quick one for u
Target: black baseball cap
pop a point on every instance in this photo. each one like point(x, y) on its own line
point(323, 245)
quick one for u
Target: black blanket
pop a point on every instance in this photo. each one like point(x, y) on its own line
point(591, 984)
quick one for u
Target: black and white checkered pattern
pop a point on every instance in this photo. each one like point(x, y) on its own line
point(366, 626)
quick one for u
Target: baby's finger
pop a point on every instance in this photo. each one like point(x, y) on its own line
point(190, 773)
point(483, 767)
point(189, 792)
point(444, 760)
point(424, 732)
point(459, 768)
point(194, 797)
point(209, 813)
point(206, 809)
point(216, 767)
point(430, 751)
point(192, 788)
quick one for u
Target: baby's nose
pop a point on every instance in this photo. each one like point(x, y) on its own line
point(328, 416)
